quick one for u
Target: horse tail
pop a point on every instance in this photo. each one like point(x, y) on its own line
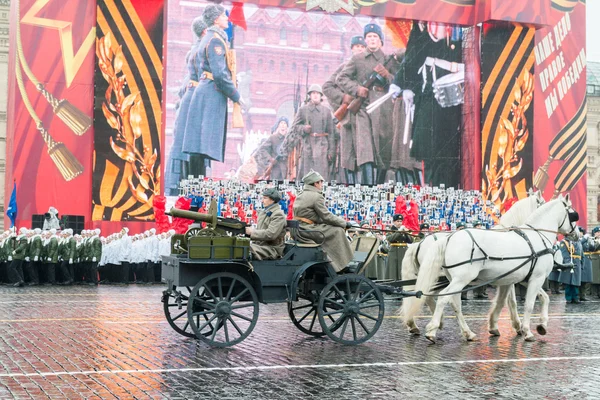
point(410, 262)
point(410, 270)
point(428, 274)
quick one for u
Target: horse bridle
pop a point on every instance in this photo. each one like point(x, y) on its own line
point(572, 215)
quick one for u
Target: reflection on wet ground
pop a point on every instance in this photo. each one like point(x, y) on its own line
point(113, 342)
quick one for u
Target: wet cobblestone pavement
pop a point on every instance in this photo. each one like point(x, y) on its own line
point(113, 342)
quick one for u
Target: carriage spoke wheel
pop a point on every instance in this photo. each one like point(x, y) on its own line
point(351, 309)
point(222, 309)
point(175, 308)
point(303, 314)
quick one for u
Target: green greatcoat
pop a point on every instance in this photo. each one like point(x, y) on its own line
point(21, 248)
point(52, 251)
point(9, 247)
point(35, 248)
point(268, 237)
point(68, 249)
point(310, 206)
point(95, 249)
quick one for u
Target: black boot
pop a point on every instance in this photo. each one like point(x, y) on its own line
point(381, 172)
point(368, 174)
point(398, 177)
point(350, 179)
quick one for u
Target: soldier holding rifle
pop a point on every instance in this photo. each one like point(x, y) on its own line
point(314, 124)
point(373, 132)
point(340, 102)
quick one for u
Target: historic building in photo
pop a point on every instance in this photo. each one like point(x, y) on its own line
point(281, 52)
point(593, 143)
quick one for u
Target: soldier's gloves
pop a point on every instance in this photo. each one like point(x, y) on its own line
point(242, 102)
point(307, 129)
point(14, 252)
point(93, 259)
point(49, 259)
point(36, 258)
point(408, 96)
point(394, 91)
point(362, 92)
point(347, 99)
point(380, 69)
point(10, 258)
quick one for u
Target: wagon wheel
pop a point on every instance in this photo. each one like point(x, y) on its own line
point(303, 314)
point(351, 309)
point(226, 307)
point(175, 308)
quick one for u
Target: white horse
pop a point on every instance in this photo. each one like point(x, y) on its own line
point(416, 253)
point(505, 257)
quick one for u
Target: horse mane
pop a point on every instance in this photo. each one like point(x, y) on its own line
point(519, 212)
point(543, 209)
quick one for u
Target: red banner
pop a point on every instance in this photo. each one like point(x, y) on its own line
point(51, 90)
point(560, 109)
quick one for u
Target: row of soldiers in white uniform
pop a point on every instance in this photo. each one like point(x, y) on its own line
point(36, 257)
point(136, 258)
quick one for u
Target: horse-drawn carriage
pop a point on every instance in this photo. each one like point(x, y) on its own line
point(214, 287)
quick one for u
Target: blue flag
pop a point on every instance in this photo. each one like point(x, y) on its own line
point(11, 210)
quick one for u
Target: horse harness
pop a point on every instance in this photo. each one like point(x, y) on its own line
point(533, 257)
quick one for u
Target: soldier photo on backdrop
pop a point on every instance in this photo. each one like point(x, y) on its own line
point(361, 100)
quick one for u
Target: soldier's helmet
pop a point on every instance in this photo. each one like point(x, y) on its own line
point(460, 225)
point(315, 87)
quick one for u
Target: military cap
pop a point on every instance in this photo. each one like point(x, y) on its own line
point(460, 225)
point(199, 26)
point(212, 12)
point(273, 194)
point(374, 28)
point(364, 223)
point(476, 224)
point(424, 226)
point(280, 120)
point(357, 40)
point(398, 217)
point(315, 87)
point(312, 177)
point(596, 229)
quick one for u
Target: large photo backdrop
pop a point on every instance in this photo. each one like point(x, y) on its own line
point(281, 53)
point(499, 107)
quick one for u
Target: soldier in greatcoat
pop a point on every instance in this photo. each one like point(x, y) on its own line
point(336, 96)
point(34, 252)
point(67, 249)
point(178, 164)
point(373, 132)
point(572, 252)
point(15, 269)
point(310, 210)
point(314, 125)
point(268, 237)
point(587, 244)
point(206, 125)
point(272, 153)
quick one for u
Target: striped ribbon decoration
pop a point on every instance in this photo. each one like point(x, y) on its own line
point(571, 145)
point(565, 5)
